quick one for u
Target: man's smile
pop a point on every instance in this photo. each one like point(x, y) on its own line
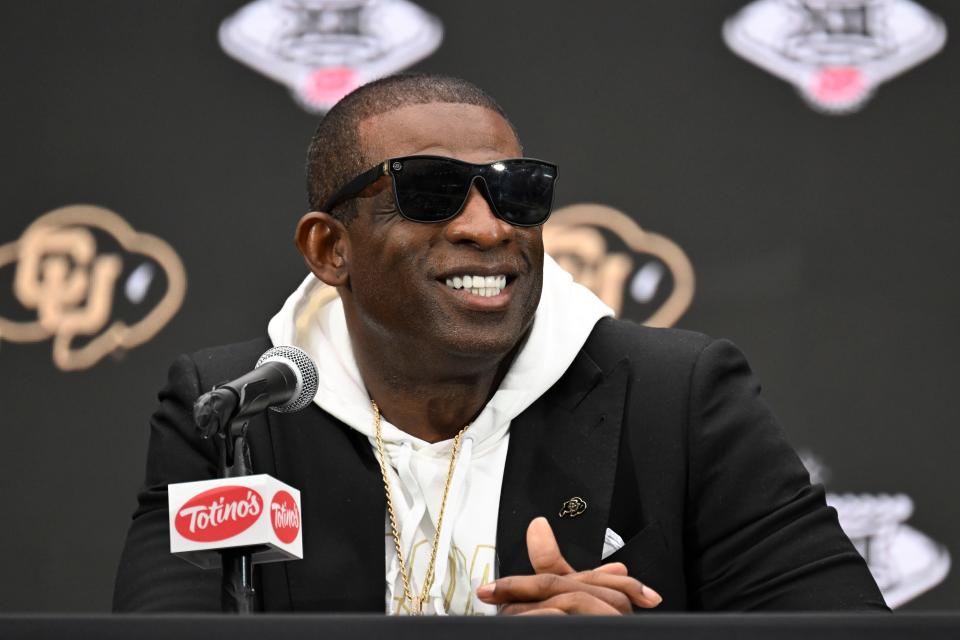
point(485, 286)
point(480, 292)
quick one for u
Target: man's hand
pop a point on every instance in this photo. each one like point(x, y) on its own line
point(558, 589)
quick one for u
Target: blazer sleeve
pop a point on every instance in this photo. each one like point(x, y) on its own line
point(149, 578)
point(762, 537)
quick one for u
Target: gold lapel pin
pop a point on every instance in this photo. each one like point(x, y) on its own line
point(573, 507)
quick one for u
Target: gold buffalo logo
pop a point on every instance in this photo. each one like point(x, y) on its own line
point(640, 275)
point(573, 507)
point(69, 267)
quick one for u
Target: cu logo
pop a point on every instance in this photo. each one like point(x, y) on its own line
point(641, 275)
point(85, 278)
point(573, 507)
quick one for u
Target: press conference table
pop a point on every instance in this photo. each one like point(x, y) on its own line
point(648, 627)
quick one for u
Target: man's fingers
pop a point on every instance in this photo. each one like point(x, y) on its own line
point(576, 602)
point(545, 556)
point(608, 583)
point(616, 568)
point(542, 588)
point(543, 550)
point(547, 611)
point(639, 593)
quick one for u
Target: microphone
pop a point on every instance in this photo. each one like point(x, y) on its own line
point(285, 380)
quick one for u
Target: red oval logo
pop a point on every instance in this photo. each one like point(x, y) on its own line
point(219, 513)
point(285, 517)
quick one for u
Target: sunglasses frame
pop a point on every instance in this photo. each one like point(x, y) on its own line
point(388, 167)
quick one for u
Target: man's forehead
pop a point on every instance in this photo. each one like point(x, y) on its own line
point(452, 129)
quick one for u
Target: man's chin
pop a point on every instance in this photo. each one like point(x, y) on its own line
point(483, 342)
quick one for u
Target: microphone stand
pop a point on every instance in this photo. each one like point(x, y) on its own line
point(228, 427)
point(237, 592)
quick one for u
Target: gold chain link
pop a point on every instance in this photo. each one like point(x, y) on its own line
point(416, 602)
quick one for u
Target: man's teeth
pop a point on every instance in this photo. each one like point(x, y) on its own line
point(485, 286)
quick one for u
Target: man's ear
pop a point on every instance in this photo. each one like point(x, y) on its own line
point(322, 239)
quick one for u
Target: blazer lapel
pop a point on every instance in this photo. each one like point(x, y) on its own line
point(564, 446)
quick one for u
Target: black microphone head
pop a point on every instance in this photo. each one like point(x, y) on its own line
point(303, 368)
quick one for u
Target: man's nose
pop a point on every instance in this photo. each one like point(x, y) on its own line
point(476, 224)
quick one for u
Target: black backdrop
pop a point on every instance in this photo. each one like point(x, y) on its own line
point(823, 245)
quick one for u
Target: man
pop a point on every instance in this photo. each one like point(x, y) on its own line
point(486, 439)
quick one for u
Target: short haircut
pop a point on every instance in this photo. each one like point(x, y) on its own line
point(335, 157)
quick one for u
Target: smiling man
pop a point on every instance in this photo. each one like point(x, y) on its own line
point(486, 438)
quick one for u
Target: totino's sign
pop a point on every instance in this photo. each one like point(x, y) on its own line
point(249, 511)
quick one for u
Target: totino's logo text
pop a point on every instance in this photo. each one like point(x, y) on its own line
point(285, 517)
point(219, 513)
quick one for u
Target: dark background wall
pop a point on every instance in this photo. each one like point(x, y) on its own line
point(823, 245)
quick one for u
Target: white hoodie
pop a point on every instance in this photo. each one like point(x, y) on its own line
point(312, 319)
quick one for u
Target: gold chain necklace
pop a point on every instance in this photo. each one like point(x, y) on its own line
point(416, 601)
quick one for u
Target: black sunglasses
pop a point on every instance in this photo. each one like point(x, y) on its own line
point(435, 188)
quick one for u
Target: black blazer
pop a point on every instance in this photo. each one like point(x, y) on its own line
point(661, 431)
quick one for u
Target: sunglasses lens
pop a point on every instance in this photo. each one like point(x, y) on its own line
point(430, 189)
point(435, 189)
point(522, 190)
